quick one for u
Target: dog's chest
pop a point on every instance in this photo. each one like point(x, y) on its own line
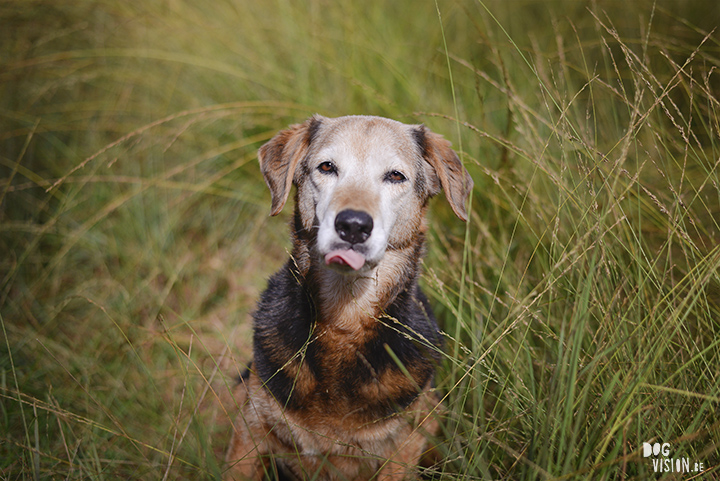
point(311, 364)
point(358, 376)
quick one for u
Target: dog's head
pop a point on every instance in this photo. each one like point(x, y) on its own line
point(362, 184)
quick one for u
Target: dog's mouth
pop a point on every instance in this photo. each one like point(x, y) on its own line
point(345, 257)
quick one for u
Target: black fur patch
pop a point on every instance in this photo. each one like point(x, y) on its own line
point(284, 324)
point(420, 139)
point(313, 128)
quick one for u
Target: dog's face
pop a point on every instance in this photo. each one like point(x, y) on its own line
point(362, 184)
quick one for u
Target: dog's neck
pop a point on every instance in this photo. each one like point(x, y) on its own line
point(354, 302)
point(347, 302)
point(351, 303)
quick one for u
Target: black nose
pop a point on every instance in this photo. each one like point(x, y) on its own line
point(353, 226)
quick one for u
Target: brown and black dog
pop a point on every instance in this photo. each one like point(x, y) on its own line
point(345, 343)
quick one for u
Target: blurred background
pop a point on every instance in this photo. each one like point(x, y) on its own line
point(580, 303)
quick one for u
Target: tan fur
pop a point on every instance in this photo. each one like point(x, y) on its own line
point(333, 444)
point(332, 436)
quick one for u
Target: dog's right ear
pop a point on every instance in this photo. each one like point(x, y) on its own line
point(280, 157)
point(449, 171)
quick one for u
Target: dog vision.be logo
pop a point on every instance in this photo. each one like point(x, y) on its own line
point(663, 463)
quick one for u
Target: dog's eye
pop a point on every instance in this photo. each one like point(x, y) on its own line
point(395, 177)
point(327, 168)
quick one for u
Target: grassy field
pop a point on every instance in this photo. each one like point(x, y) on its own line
point(581, 302)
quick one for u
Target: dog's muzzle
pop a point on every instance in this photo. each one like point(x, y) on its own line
point(353, 227)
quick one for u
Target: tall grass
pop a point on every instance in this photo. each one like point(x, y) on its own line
point(580, 303)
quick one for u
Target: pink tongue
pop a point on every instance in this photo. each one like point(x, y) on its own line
point(345, 257)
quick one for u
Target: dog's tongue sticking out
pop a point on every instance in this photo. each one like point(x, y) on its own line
point(345, 257)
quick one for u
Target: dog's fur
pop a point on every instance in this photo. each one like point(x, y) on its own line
point(345, 343)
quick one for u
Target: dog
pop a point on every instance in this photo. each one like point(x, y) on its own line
point(345, 343)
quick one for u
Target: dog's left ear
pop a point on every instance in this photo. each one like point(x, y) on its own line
point(279, 159)
point(452, 176)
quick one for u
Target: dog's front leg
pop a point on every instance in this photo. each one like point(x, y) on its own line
point(248, 457)
point(404, 459)
point(402, 465)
